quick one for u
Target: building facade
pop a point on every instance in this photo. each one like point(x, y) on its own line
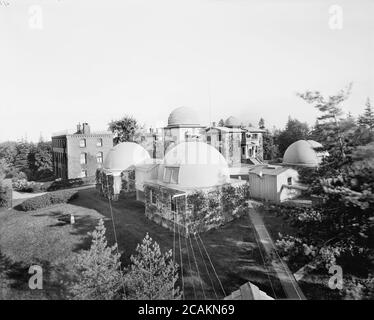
point(79, 154)
point(238, 144)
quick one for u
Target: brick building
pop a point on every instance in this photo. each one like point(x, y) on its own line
point(79, 154)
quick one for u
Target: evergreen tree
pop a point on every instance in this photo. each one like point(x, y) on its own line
point(367, 119)
point(295, 130)
point(261, 123)
point(329, 123)
point(153, 275)
point(99, 273)
point(221, 123)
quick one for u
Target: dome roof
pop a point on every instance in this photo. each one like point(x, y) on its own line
point(232, 122)
point(302, 153)
point(183, 116)
point(125, 155)
point(200, 165)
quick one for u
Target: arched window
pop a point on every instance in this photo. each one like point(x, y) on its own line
point(82, 143)
point(99, 157)
point(83, 158)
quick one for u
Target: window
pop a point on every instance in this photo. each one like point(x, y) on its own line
point(173, 206)
point(83, 158)
point(209, 139)
point(83, 173)
point(171, 174)
point(254, 136)
point(99, 142)
point(289, 181)
point(99, 157)
point(82, 143)
point(153, 197)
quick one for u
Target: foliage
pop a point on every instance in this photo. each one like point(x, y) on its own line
point(221, 123)
point(269, 146)
point(367, 118)
point(125, 129)
point(341, 228)
point(153, 275)
point(5, 194)
point(261, 123)
point(295, 130)
point(99, 270)
point(34, 162)
point(48, 199)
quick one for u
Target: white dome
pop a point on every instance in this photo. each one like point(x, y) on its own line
point(200, 165)
point(232, 122)
point(125, 155)
point(183, 116)
point(302, 153)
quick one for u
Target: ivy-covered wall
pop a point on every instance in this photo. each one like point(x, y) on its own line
point(201, 211)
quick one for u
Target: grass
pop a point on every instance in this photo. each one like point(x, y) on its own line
point(45, 237)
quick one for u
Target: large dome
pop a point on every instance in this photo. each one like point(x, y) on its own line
point(200, 165)
point(183, 116)
point(232, 122)
point(125, 155)
point(303, 153)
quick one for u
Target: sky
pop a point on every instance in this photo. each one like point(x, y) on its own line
point(69, 61)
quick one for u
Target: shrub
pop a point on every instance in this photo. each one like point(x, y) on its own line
point(48, 199)
point(5, 194)
point(22, 185)
point(70, 183)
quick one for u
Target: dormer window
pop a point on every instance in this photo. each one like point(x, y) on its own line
point(171, 174)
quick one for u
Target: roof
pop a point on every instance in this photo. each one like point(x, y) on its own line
point(226, 129)
point(183, 116)
point(303, 153)
point(200, 164)
point(125, 155)
point(272, 170)
point(248, 291)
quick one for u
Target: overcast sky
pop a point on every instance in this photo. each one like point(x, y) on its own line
point(93, 61)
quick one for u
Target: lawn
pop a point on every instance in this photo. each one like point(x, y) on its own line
point(45, 237)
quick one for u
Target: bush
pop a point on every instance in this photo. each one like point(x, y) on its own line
point(70, 183)
point(5, 194)
point(48, 199)
point(22, 185)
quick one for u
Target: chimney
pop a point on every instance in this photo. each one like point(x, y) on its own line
point(79, 128)
point(86, 128)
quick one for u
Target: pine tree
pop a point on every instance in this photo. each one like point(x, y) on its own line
point(99, 273)
point(221, 123)
point(261, 123)
point(153, 275)
point(367, 119)
point(329, 123)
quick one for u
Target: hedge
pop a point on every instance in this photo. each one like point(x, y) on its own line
point(69, 183)
point(48, 199)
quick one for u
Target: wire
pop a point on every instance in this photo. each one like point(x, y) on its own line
point(114, 230)
point(189, 262)
point(211, 263)
point(173, 254)
point(181, 258)
point(206, 268)
point(197, 267)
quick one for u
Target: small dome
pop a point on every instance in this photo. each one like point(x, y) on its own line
point(232, 122)
point(124, 155)
point(183, 116)
point(200, 165)
point(303, 153)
